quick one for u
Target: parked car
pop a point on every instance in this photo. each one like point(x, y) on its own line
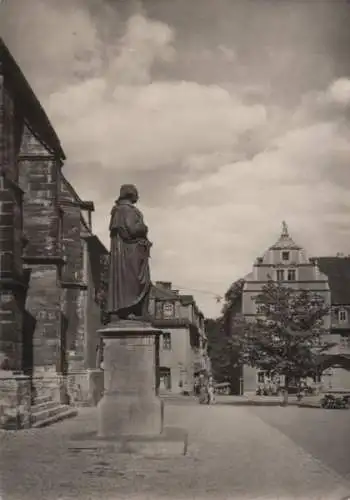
point(330, 401)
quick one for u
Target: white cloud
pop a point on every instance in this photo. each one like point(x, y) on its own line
point(52, 42)
point(248, 166)
point(149, 125)
point(243, 160)
point(339, 91)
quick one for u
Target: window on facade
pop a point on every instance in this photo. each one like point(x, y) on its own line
point(166, 341)
point(60, 229)
point(291, 275)
point(345, 341)
point(259, 308)
point(280, 274)
point(342, 316)
point(285, 255)
point(158, 309)
point(168, 309)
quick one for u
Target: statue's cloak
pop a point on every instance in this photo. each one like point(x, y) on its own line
point(129, 273)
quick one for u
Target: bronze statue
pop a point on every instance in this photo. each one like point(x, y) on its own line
point(129, 282)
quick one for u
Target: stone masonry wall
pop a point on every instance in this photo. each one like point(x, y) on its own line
point(80, 278)
point(15, 402)
point(44, 303)
point(11, 294)
point(73, 281)
point(39, 177)
point(94, 270)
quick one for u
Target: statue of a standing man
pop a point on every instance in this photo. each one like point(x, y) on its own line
point(129, 281)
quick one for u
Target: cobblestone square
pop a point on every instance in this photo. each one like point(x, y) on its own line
point(233, 453)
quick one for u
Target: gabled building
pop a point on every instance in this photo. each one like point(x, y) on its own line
point(336, 363)
point(284, 261)
point(183, 345)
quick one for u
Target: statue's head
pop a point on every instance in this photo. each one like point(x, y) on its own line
point(128, 192)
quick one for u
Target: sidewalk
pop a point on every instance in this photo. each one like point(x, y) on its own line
point(254, 400)
point(232, 454)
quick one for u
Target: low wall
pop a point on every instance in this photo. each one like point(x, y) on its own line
point(15, 401)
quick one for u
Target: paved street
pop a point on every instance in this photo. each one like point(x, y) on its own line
point(234, 453)
point(323, 433)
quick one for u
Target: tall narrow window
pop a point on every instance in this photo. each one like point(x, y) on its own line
point(60, 248)
point(166, 341)
point(280, 274)
point(342, 316)
point(291, 275)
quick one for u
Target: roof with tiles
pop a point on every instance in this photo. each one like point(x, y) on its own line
point(337, 270)
point(162, 290)
point(27, 101)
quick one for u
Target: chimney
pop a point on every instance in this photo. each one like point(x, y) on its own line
point(164, 284)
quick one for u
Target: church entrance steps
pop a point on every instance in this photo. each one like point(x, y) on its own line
point(43, 405)
point(46, 411)
point(42, 399)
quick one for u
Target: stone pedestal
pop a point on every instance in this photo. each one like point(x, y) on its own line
point(129, 405)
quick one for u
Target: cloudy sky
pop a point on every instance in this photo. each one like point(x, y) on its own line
point(228, 115)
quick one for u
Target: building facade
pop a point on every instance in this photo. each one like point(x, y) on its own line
point(31, 154)
point(80, 280)
point(183, 344)
point(286, 262)
point(336, 365)
point(49, 256)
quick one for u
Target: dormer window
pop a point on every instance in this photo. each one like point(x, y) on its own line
point(285, 256)
point(168, 309)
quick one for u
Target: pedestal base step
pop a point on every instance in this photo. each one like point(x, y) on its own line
point(172, 441)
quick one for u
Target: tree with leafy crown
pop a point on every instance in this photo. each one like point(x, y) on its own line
point(285, 338)
point(222, 351)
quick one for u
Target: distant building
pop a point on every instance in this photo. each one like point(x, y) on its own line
point(183, 345)
point(286, 262)
point(337, 360)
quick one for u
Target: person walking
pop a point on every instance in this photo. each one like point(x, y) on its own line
point(211, 391)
